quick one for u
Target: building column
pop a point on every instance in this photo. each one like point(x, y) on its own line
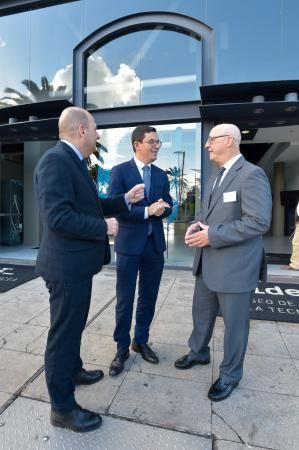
point(278, 209)
point(31, 223)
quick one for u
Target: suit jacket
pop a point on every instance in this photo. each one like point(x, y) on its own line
point(74, 242)
point(234, 260)
point(133, 228)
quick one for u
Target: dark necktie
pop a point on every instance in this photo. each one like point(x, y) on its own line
point(147, 188)
point(147, 180)
point(217, 183)
point(84, 165)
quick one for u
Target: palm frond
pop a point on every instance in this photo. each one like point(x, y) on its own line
point(32, 88)
point(9, 90)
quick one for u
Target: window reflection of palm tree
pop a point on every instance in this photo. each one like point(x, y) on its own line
point(47, 92)
point(35, 93)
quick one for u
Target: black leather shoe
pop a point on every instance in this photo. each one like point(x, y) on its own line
point(78, 419)
point(221, 389)
point(87, 376)
point(186, 362)
point(117, 365)
point(146, 352)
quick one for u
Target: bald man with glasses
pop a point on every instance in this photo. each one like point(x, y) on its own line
point(229, 259)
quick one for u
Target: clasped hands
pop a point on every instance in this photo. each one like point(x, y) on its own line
point(157, 208)
point(134, 195)
point(197, 235)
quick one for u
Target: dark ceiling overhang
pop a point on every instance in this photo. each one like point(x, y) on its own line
point(32, 121)
point(237, 103)
point(16, 6)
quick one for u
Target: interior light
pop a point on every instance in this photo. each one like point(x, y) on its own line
point(291, 108)
point(291, 97)
point(258, 99)
point(245, 131)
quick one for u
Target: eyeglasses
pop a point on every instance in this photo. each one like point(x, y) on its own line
point(154, 142)
point(211, 138)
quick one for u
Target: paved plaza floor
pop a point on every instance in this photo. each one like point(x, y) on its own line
point(148, 406)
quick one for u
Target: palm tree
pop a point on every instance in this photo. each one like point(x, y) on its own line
point(177, 181)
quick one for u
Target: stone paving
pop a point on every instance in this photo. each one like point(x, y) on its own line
point(147, 406)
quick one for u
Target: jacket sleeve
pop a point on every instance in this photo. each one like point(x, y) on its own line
point(118, 186)
point(56, 190)
point(256, 205)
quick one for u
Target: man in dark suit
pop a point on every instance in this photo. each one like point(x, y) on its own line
point(139, 245)
point(235, 213)
point(74, 247)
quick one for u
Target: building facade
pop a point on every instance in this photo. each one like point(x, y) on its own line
point(180, 65)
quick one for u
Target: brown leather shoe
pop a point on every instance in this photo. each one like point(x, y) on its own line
point(146, 352)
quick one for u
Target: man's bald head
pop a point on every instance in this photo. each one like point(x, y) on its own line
point(223, 143)
point(228, 129)
point(70, 120)
point(77, 126)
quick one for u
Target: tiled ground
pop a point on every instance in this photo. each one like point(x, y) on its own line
point(165, 407)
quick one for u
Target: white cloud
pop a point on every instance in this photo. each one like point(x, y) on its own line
point(2, 42)
point(111, 139)
point(63, 77)
point(105, 89)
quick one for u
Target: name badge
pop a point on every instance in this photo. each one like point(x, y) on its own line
point(229, 197)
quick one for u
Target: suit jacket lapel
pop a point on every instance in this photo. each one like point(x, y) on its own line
point(135, 172)
point(81, 169)
point(232, 173)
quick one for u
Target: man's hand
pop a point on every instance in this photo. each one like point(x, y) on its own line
point(112, 226)
point(157, 208)
point(199, 238)
point(135, 194)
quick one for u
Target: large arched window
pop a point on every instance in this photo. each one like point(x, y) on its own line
point(144, 67)
point(152, 58)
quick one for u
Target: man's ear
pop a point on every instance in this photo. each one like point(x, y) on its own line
point(81, 129)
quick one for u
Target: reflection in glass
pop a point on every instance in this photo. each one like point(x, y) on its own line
point(38, 67)
point(11, 194)
point(180, 158)
point(14, 54)
point(138, 68)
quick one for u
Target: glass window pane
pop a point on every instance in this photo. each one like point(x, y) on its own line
point(55, 31)
point(11, 194)
point(180, 157)
point(14, 57)
point(138, 68)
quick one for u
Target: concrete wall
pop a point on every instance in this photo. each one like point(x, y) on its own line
point(292, 175)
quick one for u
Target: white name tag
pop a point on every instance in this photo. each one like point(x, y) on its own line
point(229, 197)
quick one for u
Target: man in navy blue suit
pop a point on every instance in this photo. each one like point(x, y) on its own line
point(139, 245)
point(73, 248)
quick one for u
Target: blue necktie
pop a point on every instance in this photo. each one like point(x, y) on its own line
point(147, 188)
point(147, 180)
